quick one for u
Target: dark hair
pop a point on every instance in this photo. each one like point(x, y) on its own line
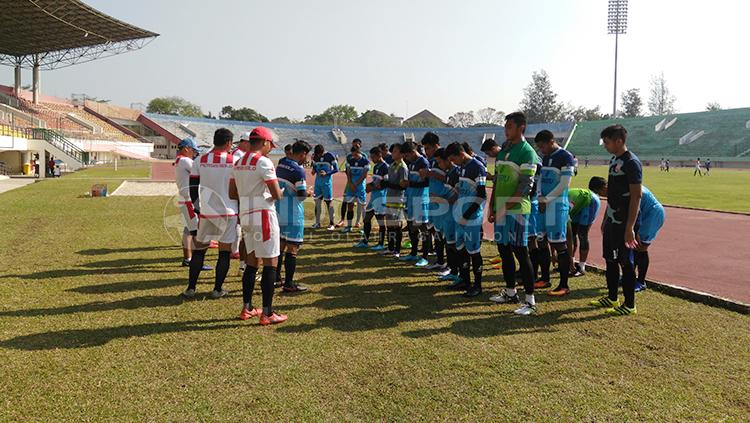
point(615, 132)
point(300, 146)
point(488, 145)
point(440, 154)
point(319, 150)
point(544, 136)
point(355, 149)
point(430, 138)
point(407, 147)
point(356, 141)
point(596, 183)
point(376, 150)
point(287, 148)
point(383, 147)
point(467, 148)
point(454, 149)
point(395, 146)
point(518, 118)
point(222, 137)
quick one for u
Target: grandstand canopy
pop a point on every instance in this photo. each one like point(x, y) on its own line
point(59, 33)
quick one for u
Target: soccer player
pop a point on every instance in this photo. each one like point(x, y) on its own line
point(324, 166)
point(187, 150)
point(491, 149)
point(557, 171)
point(470, 152)
point(209, 187)
point(469, 213)
point(291, 212)
point(620, 224)
point(387, 158)
point(417, 202)
point(697, 170)
point(435, 177)
point(357, 168)
point(584, 206)
point(238, 247)
point(256, 187)
point(395, 200)
point(355, 143)
point(287, 152)
point(510, 207)
point(666, 166)
point(445, 220)
point(376, 205)
point(707, 166)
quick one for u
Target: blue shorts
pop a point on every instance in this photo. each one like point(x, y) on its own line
point(417, 209)
point(360, 196)
point(587, 215)
point(535, 221)
point(555, 221)
point(292, 233)
point(323, 189)
point(376, 203)
point(469, 237)
point(512, 230)
point(651, 222)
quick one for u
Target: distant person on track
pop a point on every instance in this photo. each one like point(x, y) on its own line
point(666, 166)
point(697, 169)
point(324, 167)
point(707, 166)
point(620, 226)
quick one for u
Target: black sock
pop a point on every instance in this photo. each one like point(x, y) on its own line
point(534, 257)
point(414, 239)
point(452, 259)
point(439, 248)
point(642, 262)
point(279, 266)
point(509, 265)
point(381, 235)
point(391, 239)
point(563, 262)
point(544, 262)
point(266, 285)
point(343, 210)
point(476, 265)
point(427, 242)
point(367, 226)
point(329, 208)
point(524, 268)
point(399, 240)
point(248, 285)
point(222, 268)
point(463, 266)
point(613, 279)
point(290, 265)
point(628, 283)
point(196, 265)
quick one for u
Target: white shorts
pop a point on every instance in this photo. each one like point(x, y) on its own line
point(221, 229)
point(261, 233)
point(189, 216)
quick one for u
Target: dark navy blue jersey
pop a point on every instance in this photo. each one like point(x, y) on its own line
point(436, 187)
point(473, 176)
point(554, 167)
point(326, 164)
point(291, 176)
point(388, 159)
point(357, 168)
point(623, 171)
point(415, 166)
point(379, 172)
point(482, 160)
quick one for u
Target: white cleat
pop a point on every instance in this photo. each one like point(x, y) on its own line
point(526, 310)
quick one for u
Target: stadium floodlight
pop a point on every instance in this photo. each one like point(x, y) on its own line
point(617, 23)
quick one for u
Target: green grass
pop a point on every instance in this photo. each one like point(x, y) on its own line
point(723, 190)
point(92, 329)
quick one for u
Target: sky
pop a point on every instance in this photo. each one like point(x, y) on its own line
point(296, 58)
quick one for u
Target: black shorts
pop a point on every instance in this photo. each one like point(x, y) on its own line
point(613, 244)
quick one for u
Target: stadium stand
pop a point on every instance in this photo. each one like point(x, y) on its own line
point(720, 135)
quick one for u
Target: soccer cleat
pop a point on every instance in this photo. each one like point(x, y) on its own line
point(385, 252)
point(188, 293)
point(621, 310)
point(444, 272)
point(377, 247)
point(504, 298)
point(278, 283)
point(361, 244)
point(526, 310)
point(346, 230)
point(640, 286)
point(422, 263)
point(406, 245)
point(559, 292)
point(458, 284)
point(340, 224)
point(435, 266)
point(331, 228)
point(605, 302)
point(473, 292)
point(449, 277)
point(498, 266)
point(247, 313)
point(397, 256)
point(496, 260)
point(541, 284)
point(315, 226)
point(218, 294)
point(242, 268)
point(294, 288)
point(410, 257)
point(273, 319)
point(576, 274)
point(185, 263)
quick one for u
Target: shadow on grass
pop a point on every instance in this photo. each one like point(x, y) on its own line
point(127, 286)
point(104, 251)
point(149, 301)
point(86, 338)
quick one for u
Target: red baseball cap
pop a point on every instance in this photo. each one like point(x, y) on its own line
point(261, 133)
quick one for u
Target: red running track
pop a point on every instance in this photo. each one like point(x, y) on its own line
point(700, 250)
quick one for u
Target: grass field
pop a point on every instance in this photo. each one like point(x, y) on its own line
point(92, 329)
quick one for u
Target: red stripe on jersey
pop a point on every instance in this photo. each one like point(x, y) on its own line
point(230, 158)
point(190, 209)
point(247, 157)
point(254, 160)
point(265, 223)
point(177, 160)
point(217, 158)
point(204, 158)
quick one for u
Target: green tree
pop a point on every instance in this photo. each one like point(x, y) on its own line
point(376, 118)
point(421, 122)
point(661, 101)
point(342, 114)
point(174, 105)
point(539, 100)
point(631, 103)
point(713, 107)
point(281, 119)
point(244, 114)
point(581, 114)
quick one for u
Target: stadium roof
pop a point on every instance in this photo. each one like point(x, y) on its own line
point(60, 33)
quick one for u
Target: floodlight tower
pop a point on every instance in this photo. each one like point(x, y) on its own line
point(617, 23)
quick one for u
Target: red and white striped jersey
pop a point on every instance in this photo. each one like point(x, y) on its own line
point(237, 153)
point(183, 165)
point(252, 173)
point(214, 169)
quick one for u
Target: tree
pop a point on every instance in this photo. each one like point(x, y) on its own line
point(376, 118)
point(281, 119)
point(631, 103)
point(489, 117)
point(713, 107)
point(581, 114)
point(341, 114)
point(421, 122)
point(661, 101)
point(539, 101)
point(174, 105)
point(461, 120)
point(244, 114)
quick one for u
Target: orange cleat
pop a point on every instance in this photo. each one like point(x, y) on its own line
point(246, 314)
point(559, 292)
point(540, 284)
point(273, 319)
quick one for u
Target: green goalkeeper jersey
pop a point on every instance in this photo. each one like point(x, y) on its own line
point(513, 162)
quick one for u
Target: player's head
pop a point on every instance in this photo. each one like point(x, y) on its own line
point(456, 153)
point(288, 150)
point(490, 147)
point(467, 148)
point(188, 148)
point(357, 142)
point(356, 151)
point(396, 152)
point(515, 126)
point(261, 140)
point(376, 155)
point(430, 142)
point(598, 185)
point(299, 151)
point(442, 159)
point(244, 143)
point(409, 150)
point(383, 149)
point(545, 142)
point(319, 150)
point(223, 139)
point(614, 138)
